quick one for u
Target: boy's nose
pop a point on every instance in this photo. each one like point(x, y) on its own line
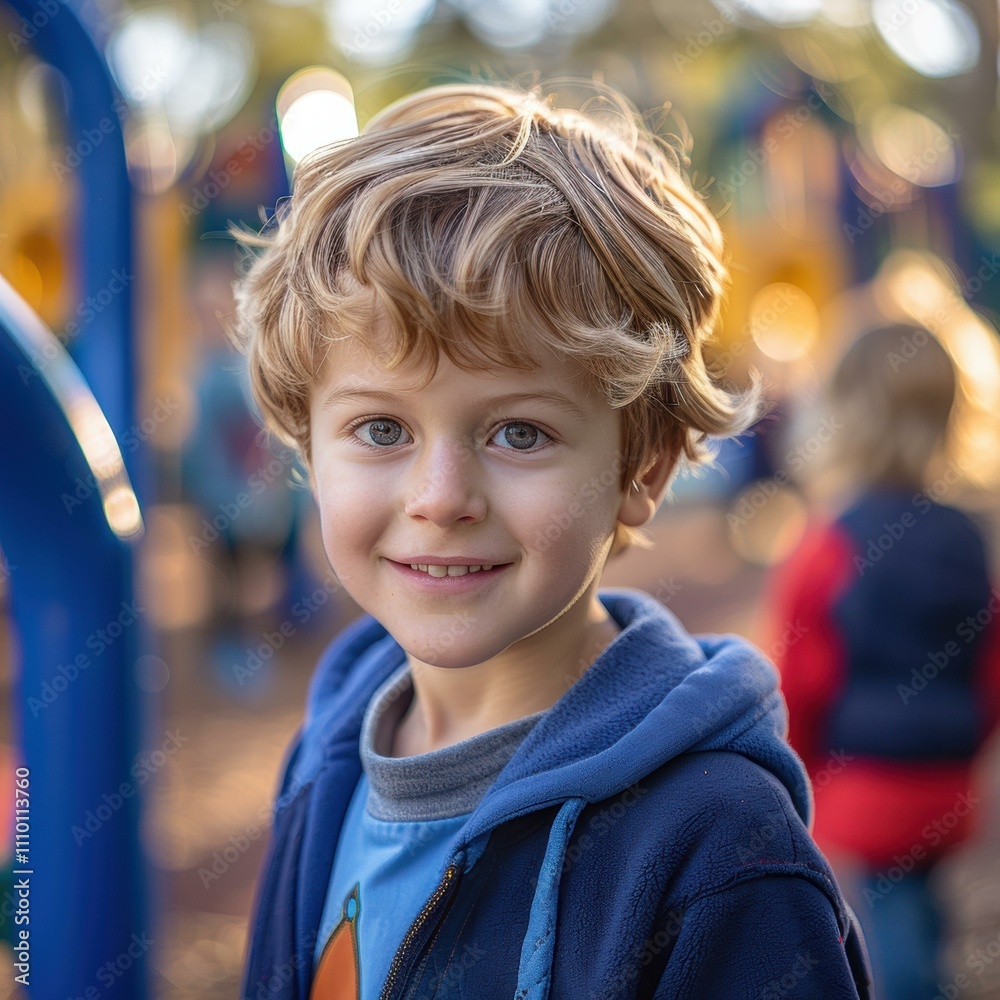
point(444, 486)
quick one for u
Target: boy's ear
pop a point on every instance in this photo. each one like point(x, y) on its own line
point(639, 506)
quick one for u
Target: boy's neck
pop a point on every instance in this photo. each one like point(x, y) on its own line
point(451, 704)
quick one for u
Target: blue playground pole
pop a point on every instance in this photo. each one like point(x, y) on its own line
point(67, 514)
point(67, 511)
point(94, 158)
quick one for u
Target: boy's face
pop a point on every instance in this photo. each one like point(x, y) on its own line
point(474, 468)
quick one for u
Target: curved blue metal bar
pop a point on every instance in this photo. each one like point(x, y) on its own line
point(66, 506)
point(93, 155)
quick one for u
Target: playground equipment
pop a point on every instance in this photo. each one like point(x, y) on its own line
point(68, 514)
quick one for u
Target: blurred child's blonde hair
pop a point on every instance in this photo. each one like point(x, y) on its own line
point(479, 221)
point(893, 393)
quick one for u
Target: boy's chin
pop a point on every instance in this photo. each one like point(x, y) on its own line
point(462, 642)
point(454, 657)
point(452, 660)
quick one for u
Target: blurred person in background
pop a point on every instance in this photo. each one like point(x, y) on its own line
point(248, 514)
point(893, 681)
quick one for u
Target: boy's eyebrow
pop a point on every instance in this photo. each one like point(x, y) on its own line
point(338, 394)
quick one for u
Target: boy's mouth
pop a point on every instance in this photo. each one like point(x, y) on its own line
point(455, 570)
point(447, 566)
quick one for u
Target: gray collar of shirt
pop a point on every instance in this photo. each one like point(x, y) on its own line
point(436, 785)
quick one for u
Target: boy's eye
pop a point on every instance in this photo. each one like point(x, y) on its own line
point(380, 431)
point(384, 432)
point(519, 436)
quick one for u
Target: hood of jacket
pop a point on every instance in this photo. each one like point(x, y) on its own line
point(655, 692)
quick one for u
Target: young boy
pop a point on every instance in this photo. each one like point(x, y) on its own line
point(481, 323)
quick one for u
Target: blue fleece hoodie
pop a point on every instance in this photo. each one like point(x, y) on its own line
point(648, 839)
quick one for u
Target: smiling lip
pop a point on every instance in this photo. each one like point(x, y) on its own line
point(439, 584)
point(449, 561)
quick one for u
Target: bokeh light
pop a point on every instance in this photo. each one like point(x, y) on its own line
point(315, 108)
point(779, 12)
point(784, 321)
point(771, 522)
point(373, 31)
point(935, 37)
point(913, 146)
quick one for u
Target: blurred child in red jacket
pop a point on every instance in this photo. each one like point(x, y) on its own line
point(892, 684)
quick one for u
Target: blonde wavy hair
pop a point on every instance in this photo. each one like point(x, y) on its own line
point(480, 221)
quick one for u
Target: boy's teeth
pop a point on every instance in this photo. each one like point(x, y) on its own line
point(439, 571)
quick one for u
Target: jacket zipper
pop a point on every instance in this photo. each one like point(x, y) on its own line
point(402, 954)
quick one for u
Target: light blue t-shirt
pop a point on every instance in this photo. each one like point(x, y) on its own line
point(398, 832)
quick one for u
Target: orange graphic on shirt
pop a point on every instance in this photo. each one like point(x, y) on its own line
point(339, 974)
